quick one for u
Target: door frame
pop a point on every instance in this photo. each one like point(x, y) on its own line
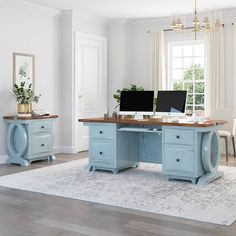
point(76, 76)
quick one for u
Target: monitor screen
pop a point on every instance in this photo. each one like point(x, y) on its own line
point(137, 101)
point(171, 101)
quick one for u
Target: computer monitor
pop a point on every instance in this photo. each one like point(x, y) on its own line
point(137, 103)
point(171, 103)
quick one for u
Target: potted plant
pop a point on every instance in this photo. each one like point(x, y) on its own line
point(116, 96)
point(132, 87)
point(25, 96)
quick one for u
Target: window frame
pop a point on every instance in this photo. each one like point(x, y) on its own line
point(171, 81)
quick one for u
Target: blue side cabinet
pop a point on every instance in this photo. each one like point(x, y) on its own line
point(29, 139)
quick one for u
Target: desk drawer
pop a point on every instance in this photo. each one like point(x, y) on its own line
point(178, 160)
point(41, 144)
point(177, 136)
point(40, 126)
point(103, 152)
point(103, 132)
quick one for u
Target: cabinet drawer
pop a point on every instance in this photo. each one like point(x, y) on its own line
point(41, 144)
point(102, 132)
point(176, 136)
point(102, 152)
point(178, 160)
point(40, 126)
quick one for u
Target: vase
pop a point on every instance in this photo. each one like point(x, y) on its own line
point(24, 109)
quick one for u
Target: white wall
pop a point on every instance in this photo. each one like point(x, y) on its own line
point(118, 60)
point(27, 30)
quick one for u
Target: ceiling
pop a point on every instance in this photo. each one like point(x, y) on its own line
point(120, 9)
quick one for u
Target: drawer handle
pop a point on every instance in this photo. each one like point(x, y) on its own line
point(42, 127)
point(100, 132)
point(100, 153)
point(42, 145)
point(177, 136)
point(178, 160)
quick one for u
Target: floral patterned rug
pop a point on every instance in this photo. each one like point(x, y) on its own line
point(143, 189)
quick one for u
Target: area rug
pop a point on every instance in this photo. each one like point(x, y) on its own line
point(143, 189)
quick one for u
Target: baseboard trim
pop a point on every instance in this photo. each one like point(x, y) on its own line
point(65, 149)
point(3, 159)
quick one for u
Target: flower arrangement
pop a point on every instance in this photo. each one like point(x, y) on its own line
point(25, 95)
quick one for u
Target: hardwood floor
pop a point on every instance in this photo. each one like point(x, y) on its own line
point(27, 213)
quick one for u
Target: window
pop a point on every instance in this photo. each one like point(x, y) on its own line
point(186, 72)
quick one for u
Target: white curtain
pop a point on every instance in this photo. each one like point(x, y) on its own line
point(234, 67)
point(157, 61)
point(214, 48)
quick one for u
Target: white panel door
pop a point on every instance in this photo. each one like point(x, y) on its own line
point(90, 83)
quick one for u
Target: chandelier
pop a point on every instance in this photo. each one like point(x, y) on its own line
point(178, 25)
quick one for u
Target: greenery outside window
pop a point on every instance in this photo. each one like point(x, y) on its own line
point(186, 72)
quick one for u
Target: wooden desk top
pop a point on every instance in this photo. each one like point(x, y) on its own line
point(154, 121)
point(30, 118)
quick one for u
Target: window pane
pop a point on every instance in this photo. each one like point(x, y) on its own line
point(188, 50)
point(178, 86)
point(199, 87)
point(199, 50)
point(190, 99)
point(198, 73)
point(177, 74)
point(177, 63)
point(188, 87)
point(188, 62)
point(199, 108)
point(177, 51)
point(189, 109)
point(199, 61)
point(199, 99)
point(188, 74)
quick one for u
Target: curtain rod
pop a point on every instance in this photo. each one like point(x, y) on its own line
point(168, 30)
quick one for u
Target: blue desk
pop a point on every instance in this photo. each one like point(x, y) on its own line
point(188, 151)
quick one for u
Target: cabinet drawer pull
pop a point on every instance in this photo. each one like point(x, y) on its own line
point(100, 132)
point(42, 145)
point(100, 153)
point(42, 127)
point(177, 136)
point(178, 160)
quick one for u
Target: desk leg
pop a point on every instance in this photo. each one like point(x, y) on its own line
point(18, 161)
point(52, 158)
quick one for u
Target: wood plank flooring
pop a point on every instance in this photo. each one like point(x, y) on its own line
point(24, 213)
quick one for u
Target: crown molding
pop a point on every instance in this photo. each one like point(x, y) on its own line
point(27, 5)
point(119, 22)
point(81, 16)
point(229, 15)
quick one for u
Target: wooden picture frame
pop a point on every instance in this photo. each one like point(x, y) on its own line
point(23, 69)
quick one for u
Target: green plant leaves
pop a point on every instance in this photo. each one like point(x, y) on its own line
point(132, 87)
point(25, 95)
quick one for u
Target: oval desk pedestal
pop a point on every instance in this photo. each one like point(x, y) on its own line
point(29, 139)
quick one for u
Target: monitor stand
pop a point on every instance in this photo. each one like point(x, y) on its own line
point(138, 117)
